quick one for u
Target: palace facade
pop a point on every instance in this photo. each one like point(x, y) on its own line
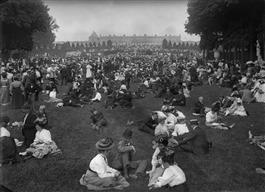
point(134, 40)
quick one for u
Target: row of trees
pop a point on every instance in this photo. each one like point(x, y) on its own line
point(67, 46)
point(181, 45)
point(25, 23)
point(233, 24)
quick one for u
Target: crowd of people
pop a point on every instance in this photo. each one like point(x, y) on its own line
point(115, 80)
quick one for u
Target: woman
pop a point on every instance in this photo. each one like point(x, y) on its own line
point(99, 175)
point(4, 90)
point(42, 116)
point(212, 120)
point(159, 144)
point(16, 91)
point(7, 144)
point(43, 143)
point(172, 176)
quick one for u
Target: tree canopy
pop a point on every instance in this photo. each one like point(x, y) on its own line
point(25, 22)
point(219, 22)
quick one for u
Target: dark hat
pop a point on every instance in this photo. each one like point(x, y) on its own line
point(4, 119)
point(194, 122)
point(127, 133)
point(162, 139)
point(105, 144)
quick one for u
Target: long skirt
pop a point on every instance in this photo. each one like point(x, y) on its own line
point(4, 95)
point(93, 182)
point(40, 150)
point(8, 150)
point(17, 98)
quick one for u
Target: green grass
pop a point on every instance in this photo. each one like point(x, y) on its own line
point(230, 166)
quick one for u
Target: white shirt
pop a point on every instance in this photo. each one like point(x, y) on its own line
point(99, 164)
point(88, 71)
point(97, 97)
point(180, 115)
point(173, 175)
point(43, 136)
point(161, 129)
point(211, 117)
point(4, 132)
point(180, 129)
point(171, 120)
point(52, 94)
point(154, 161)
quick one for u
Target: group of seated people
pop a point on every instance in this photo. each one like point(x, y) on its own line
point(113, 166)
point(37, 137)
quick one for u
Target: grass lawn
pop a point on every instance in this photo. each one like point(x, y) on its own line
point(230, 166)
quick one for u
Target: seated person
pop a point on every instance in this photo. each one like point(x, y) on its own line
point(124, 161)
point(171, 119)
point(161, 128)
point(53, 98)
point(8, 146)
point(194, 141)
point(212, 120)
point(236, 108)
point(42, 145)
point(98, 120)
point(150, 125)
point(97, 97)
point(179, 99)
point(247, 96)
point(199, 108)
point(180, 128)
point(100, 176)
point(42, 116)
point(172, 176)
point(160, 143)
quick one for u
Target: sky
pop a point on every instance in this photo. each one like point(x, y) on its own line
point(77, 19)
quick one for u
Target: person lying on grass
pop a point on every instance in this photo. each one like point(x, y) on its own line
point(172, 176)
point(43, 143)
point(213, 121)
point(194, 141)
point(126, 152)
point(100, 176)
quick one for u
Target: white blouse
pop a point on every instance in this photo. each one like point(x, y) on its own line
point(4, 132)
point(99, 164)
point(43, 136)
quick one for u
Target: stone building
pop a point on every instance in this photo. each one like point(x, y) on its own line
point(133, 40)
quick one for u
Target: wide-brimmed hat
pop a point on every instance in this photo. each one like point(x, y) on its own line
point(161, 139)
point(194, 122)
point(105, 144)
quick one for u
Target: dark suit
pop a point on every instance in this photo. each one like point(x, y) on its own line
point(29, 129)
point(195, 142)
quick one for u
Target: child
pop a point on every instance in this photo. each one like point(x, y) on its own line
point(126, 152)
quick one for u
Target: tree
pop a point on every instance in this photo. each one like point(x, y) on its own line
point(220, 21)
point(174, 45)
point(21, 22)
point(169, 45)
point(164, 44)
point(109, 43)
point(104, 44)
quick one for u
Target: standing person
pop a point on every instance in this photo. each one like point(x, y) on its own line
point(100, 176)
point(128, 77)
point(88, 71)
point(28, 127)
point(16, 92)
point(4, 90)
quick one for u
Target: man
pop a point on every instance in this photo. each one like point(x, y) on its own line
point(199, 109)
point(28, 127)
point(125, 160)
point(150, 125)
point(194, 141)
